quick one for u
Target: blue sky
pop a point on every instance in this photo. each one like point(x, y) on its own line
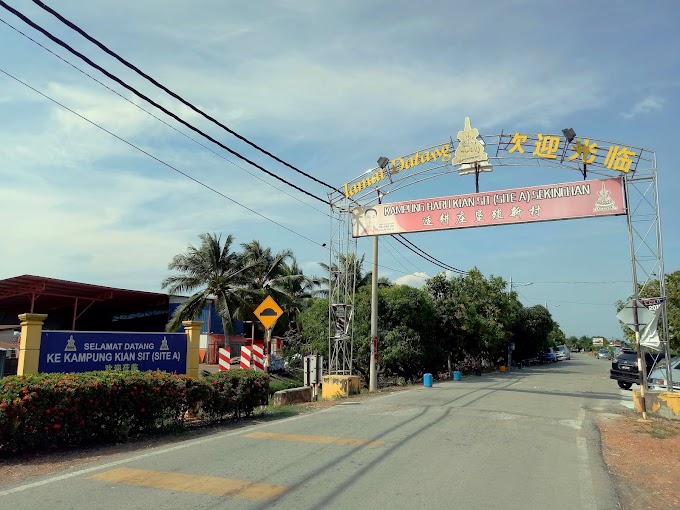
point(329, 87)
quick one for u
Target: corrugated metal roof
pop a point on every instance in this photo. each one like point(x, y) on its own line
point(17, 294)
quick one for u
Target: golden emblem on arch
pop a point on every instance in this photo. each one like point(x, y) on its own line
point(470, 149)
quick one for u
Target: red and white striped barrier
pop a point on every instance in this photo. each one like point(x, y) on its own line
point(258, 357)
point(224, 359)
point(245, 357)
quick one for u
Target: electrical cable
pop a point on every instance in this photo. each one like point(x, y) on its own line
point(443, 266)
point(390, 248)
point(129, 65)
point(430, 256)
point(159, 119)
point(184, 173)
point(590, 282)
point(160, 160)
point(111, 76)
point(60, 42)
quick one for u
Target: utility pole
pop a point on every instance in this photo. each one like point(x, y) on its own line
point(642, 369)
point(373, 376)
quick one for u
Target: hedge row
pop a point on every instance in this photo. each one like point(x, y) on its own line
point(45, 410)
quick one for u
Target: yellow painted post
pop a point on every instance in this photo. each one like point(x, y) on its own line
point(29, 348)
point(193, 330)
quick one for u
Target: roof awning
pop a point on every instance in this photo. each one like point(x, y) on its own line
point(39, 294)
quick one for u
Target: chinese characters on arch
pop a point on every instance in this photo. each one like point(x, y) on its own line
point(552, 147)
point(522, 205)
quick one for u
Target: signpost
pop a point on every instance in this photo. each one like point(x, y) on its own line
point(76, 351)
point(268, 312)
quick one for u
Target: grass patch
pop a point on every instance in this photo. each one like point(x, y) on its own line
point(660, 428)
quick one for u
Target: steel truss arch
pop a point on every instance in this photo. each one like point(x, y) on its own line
point(588, 156)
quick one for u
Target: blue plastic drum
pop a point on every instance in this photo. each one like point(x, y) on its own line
point(427, 380)
point(456, 376)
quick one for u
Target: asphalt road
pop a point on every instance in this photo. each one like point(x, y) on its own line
point(524, 439)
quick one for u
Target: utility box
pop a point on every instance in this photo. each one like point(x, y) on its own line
point(312, 367)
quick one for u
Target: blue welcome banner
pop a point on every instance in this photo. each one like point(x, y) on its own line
point(82, 351)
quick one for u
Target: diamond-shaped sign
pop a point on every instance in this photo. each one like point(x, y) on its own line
point(268, 312)
point(627, 315)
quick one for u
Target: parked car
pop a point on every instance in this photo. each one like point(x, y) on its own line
point(604, 354)
point(562, 352)
point(547, 356)
point(656, 380)
point(625, 367)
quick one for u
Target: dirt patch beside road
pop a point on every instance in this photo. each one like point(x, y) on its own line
point(644, 458)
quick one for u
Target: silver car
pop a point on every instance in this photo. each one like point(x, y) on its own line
point(562, 352)
point(604, 354)
point(656, 380)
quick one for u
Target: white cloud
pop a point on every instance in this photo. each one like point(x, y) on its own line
point(649, 104)
point(416, 280)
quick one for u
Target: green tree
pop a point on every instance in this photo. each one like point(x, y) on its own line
point(406, 318)
point(273, 274)
point(349, 269)
point(534, 327)
point(586, 343)
point(556, 336)
point(211, 270)
point(297, 292)
point(314, 329)
point(475, 315)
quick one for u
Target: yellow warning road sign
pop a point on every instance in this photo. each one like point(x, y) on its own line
point(268, 312)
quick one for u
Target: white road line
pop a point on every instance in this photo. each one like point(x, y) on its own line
point(586, 488)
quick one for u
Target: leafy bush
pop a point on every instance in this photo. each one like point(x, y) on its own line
point(95, 407)
point(276, 385)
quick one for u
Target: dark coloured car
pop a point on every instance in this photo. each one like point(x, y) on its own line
point(625, 368)
point(547, 356)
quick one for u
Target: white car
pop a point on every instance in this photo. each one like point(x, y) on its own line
point(656, 380)
point(562, 352)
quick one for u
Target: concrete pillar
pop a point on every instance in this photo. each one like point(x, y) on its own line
point(29, 348)
point(193, 330)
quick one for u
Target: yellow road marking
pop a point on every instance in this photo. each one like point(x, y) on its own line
point(184, 482)
point(304, 438)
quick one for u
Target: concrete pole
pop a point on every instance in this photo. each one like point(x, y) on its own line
point(642, 369)
point(29, 345)
point(193, 331)
point(373, 379)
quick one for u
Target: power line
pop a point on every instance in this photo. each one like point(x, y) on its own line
point(151, 101)
point(590, 282)
point(161, 120)
point(406, 273)
point(185, 174)
point(567, 302)
point(159, 160)
point(426, 255)
point(63, 44)
point(129, 65)
point(390, 248)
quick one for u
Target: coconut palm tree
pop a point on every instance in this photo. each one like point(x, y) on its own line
point(298, 290)
point(217, 272)
point(267, 271)
point(352, 267)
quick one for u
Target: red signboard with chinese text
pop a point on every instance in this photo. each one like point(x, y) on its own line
point(582, 199)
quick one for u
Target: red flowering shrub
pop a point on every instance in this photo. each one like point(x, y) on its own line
point(95, 407)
